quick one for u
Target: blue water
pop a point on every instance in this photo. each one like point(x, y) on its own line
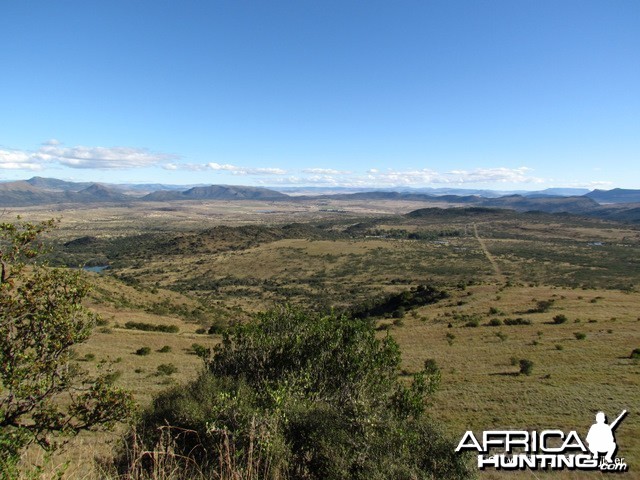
point(97, 269)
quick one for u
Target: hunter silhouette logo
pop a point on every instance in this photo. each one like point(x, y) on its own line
point(600, 437)
point(549, 449)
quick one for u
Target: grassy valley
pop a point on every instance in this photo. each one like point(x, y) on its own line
point(558, 290)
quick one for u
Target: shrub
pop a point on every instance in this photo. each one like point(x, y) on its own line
point(398, 321)
point(143, 351)
point(165, 349)
point(542, 306)
point(42, 319)
point(217, 328)
point(517, 321)
point(150, 327)
point(472, 323)
point(494, 322)
point(635, 353)
point(580, 335)
point(200, 350)
point(111, 377)
point(526, 366)
point(431, 367)
point(559, 319)
point(167, 369)
point(293, 395)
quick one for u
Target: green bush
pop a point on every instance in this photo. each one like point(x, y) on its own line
point(559, 319)
point(42, 320)
point(167, 369)
point(517, 321)
point(580, 335)
point(542, 306)
point(143, 351)
point(526, 366)
point(165, 349)
point(217, 328)
point(295, 395)
point(150, 327)
point(431, 367)
point(635, 353)
point(494, 322)
point(200, 350)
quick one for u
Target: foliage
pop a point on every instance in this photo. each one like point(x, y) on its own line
point(150, 327)
point(635, 353)
point(306, 396)
point(200, 350)
point(517, 321)
point(542, 306)
point(397, 304)
point(42, 318)
point(142, 351)
point(167, 369)
point(560, 319)
point(216, 328)
point(526, 366)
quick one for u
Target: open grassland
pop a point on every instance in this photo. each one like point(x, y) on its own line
point(215, 263)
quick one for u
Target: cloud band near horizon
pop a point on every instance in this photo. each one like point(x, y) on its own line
point(54, 154)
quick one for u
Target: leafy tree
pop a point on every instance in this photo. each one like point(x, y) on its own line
point(299, 395)
point(42, 318)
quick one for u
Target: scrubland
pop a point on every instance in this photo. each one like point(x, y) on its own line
point(194, 266)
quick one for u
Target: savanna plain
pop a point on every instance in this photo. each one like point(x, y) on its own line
point(557, 290)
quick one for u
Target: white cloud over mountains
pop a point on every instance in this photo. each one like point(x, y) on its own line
point(415, 177)
point(53, 154)
point(101, 158)
point(18, 160)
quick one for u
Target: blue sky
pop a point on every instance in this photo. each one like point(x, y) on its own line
point(514, 94)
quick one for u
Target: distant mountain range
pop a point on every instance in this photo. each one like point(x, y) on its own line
point(616, 204)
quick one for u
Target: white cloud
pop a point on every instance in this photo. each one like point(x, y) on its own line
point(224, 168)
point(51, 152)
point(101, 157)
point(18, 160)
point(490, 175)
point(235, 170)
point(325, 171)
point(600, 184)
point(411, 178)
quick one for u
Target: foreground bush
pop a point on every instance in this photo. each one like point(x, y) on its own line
point(43, 394)
point(294, 395)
